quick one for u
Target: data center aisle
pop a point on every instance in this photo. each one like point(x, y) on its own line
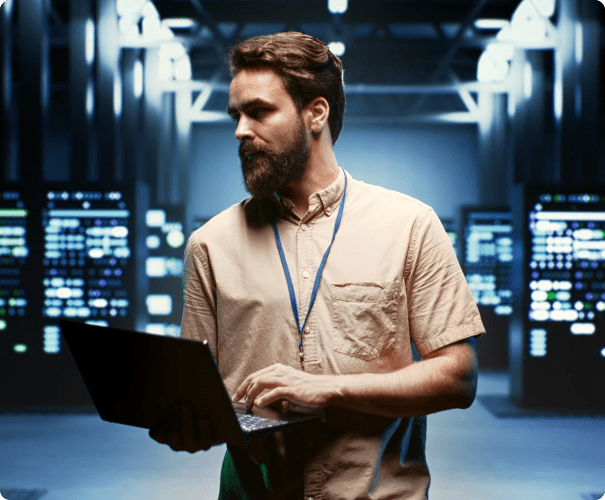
point(473, 456)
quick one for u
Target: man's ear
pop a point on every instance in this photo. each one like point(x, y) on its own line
point(317, 113)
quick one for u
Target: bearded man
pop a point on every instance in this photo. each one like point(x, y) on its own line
point(316, 289)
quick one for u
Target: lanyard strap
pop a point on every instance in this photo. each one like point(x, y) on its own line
point(319, 270)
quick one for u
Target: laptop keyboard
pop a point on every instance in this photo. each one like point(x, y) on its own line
point(249, 422)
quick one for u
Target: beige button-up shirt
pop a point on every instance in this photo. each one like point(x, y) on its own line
point(391, 279)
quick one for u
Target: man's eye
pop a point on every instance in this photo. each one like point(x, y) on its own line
point(258, 113)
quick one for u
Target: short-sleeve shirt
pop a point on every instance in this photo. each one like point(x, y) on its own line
point(391, 280)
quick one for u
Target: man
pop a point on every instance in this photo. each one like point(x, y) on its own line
point(314, 289)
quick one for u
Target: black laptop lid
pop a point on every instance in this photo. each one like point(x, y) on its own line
point(139, 379)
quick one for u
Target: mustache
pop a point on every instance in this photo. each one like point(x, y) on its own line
point(247, 148)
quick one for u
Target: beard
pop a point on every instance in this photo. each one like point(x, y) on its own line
point(267, 171)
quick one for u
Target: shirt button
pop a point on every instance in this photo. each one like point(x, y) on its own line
point(303, 227)
point(305, 274)
point(307, 329)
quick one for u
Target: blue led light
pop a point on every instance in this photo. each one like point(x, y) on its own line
point(159, 304)
point(87, 247)
point(487, 258)
point(537, 342)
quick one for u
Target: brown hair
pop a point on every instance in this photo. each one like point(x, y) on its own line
point(306, 66)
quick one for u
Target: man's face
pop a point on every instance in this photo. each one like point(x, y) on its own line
point(274, 147)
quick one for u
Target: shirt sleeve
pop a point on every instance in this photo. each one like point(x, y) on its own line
point(441, 308)
point(199, 320)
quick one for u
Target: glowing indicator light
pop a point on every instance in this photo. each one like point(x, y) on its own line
point(537, 339)
point(338, 6)
point(155, 267)
point(2, 325)
point(119, 232)
point(583, 328)
point(52, 340)
point(117, 95)
point(153, 242)
point(96, 253)
point(503, 310)
point(89, 41)
point(155, 218)
point(337, 48)
point(539, 295)
point(159, 305)
point(13, 213)
point(175, 238)
point(20, 348)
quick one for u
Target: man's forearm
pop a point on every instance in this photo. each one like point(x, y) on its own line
point(428, 386)
point(445, 379)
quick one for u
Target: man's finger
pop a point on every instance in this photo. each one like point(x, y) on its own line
point(158, 432)
point(188, 431)
point(241, 391)
point(262, 384)
point(276, 394)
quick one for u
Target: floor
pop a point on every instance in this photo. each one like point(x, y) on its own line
point(472, 454)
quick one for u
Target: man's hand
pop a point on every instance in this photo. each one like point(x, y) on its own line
point(283, 383)
point(185, 432)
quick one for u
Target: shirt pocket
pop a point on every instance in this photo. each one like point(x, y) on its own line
point(364, 318)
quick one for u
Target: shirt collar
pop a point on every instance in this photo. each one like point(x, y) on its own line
point(325, 201)
point(329, 198)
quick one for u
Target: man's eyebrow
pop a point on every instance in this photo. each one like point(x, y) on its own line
point(248, 104)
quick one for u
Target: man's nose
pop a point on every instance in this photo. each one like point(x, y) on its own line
point(243, 130)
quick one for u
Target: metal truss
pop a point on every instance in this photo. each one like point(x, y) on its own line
point(449, 42)
point(430, 50)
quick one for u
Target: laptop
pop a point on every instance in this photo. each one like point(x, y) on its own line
point(140, 379)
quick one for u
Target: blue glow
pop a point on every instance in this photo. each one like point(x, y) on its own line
point(14, 264)
point(138, 79)
point(537, 339)
point(527, 80)
point(164, 329)
point(153, 242)
point(90, 99)
point(159, 304)
point(89, 43)
point(488, 254)
point(579, 46)
point(337, 48)
point(175, 238)
point(155, 218)
point(338, 6)
point(52, 339)
point(118, 214)
point(87, 253)
point(161, 267)
point(117, 95)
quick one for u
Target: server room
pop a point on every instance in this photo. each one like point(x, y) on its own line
point(118, 144)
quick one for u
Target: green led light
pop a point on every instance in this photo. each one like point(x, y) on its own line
point(13, 212)
point(551, 295)
point(2, 311)
point(2, 325)
point(20, 348)
point(11, 302)
point(175, 238)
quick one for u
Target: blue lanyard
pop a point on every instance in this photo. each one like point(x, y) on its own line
point(320, 270)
